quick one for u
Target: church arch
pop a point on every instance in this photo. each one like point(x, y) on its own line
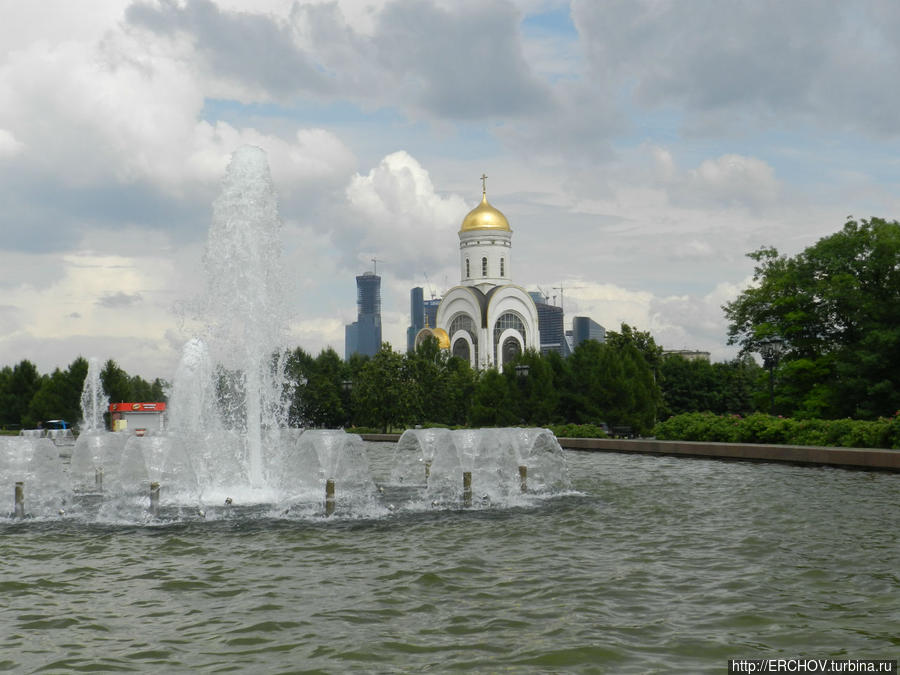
point(463, 328)
point(462, 349)
point(509, 326)
point(510, 350)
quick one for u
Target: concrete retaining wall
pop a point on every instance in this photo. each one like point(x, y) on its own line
point(858, 458)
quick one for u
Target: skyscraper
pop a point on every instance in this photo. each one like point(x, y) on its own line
point(585, 328)
point(363, 336)
point(416, 316)
point(550, 325)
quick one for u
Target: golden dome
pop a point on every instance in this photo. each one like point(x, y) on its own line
point(485, 217)
point(438, 334)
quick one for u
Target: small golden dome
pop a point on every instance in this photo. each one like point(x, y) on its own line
point(485, 217)
point(438, 334)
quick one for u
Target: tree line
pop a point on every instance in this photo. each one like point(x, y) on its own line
point(625, 381)
point(28, 397)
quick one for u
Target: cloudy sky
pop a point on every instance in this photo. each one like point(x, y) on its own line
point(639, 150)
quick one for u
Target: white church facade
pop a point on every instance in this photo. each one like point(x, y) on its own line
point(486, 320)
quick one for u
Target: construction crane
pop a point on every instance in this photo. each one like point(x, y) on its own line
point(430, 287)
point(544, 293)
point(562, 290)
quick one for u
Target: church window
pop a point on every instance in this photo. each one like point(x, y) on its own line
point(464, 323)
point(484, 267)
point(502, 268)
point(511, 349)
point(468, 272)
point(507, 320)
point(461, 350)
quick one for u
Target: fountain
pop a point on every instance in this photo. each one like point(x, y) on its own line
point(228, 450)
point(505, 467)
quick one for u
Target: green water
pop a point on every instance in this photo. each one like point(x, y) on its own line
point(656, 565)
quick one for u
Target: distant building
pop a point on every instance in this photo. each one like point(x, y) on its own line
point(416, 317)
point(687, 354)
point(138, 418)
point(363, 336)
point(585, 328)
point(351, 340)
point(422, 313)
point(550, 325)
point(431, 310)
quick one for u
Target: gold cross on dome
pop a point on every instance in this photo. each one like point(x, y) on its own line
point(483, 184)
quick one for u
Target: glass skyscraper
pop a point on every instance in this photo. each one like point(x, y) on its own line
point(363, 336)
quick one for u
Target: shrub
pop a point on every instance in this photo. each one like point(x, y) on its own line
point(760, 428)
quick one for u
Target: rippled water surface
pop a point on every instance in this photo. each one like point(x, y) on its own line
point(656, 565)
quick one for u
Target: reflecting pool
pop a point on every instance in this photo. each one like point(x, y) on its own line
point(648, 564)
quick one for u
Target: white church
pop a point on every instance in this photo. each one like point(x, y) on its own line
point(486, 319)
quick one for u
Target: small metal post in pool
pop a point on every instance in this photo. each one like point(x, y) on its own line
point(523, 478)
point(329, 496)
point(20, 499)
point(98, 479)
point(467, 488)
point(154, 499)
point(427, 469)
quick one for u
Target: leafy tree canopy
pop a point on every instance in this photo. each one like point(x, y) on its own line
point(836, 306)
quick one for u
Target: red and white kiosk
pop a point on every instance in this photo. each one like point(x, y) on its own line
point(141, 418)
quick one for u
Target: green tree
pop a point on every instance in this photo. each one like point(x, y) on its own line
point(739, 382)
point(613, 382)
point(491, 403)
point(640, 339)
point(688, 386)
point(318, 402)
point(116, 382)
point(385, 393)
point(428, 367)
point(50, 400)
point(700, 386)
point(18, 385)
point(836, 306)
point(533, 397)
point(460, 389)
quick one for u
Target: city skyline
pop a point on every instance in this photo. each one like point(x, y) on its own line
point(639, 150)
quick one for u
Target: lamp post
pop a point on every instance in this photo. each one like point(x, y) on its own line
point(522, 371)
point(770, 350)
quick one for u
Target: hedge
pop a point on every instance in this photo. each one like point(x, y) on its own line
point(759, 428)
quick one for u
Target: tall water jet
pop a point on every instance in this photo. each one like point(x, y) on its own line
point(94, 401)
point(243, 308)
